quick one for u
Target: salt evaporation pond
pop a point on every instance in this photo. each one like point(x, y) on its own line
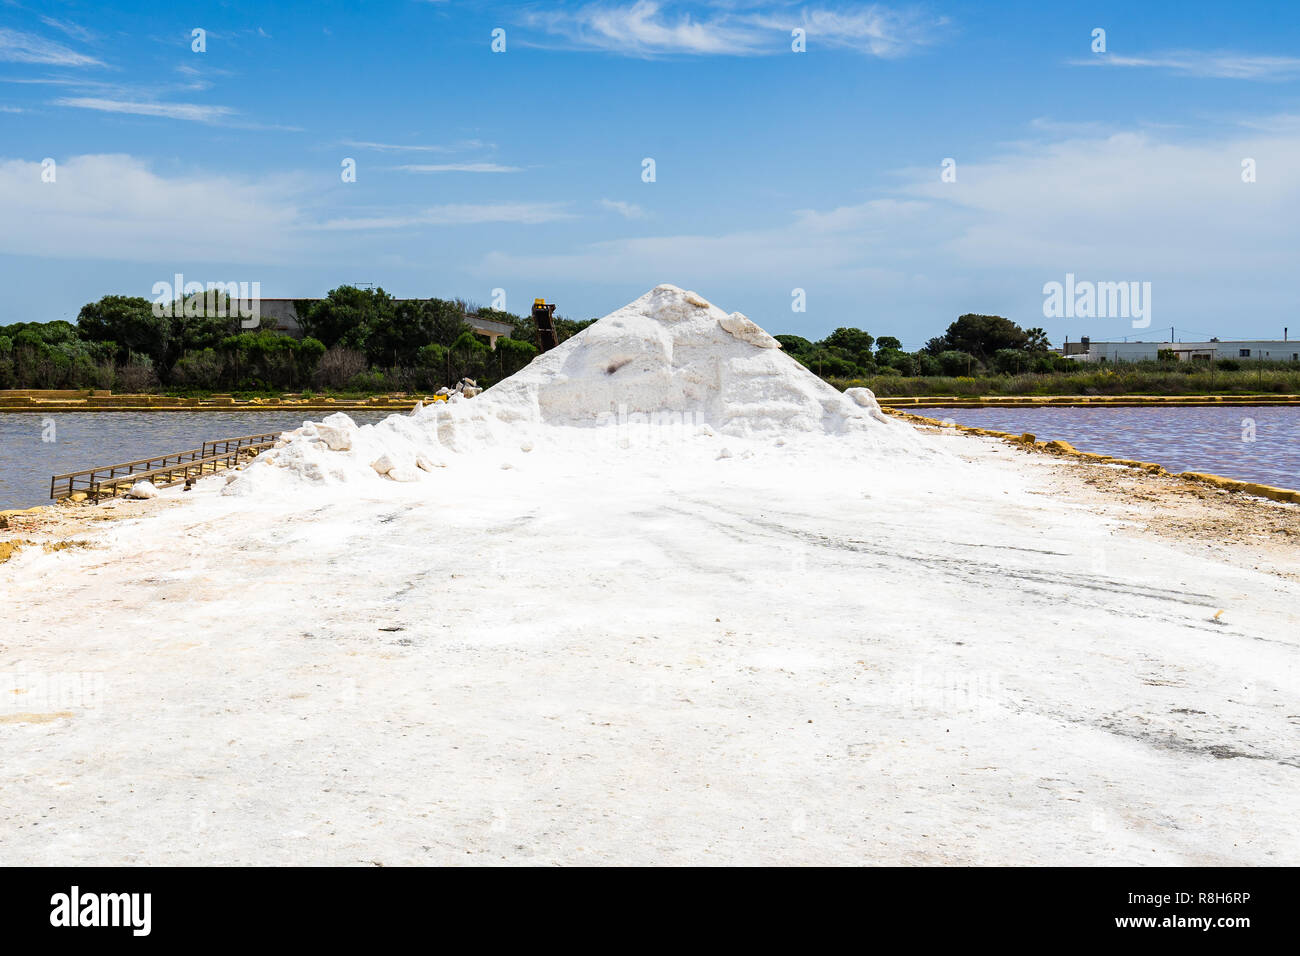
point(1259, 444)
point(86, 439)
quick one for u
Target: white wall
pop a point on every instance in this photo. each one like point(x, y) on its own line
point(1271, 350)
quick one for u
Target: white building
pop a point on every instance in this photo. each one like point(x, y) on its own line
point(1268, 350)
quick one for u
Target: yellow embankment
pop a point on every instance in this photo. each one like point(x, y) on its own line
point(1109, 401)
point(28, 400)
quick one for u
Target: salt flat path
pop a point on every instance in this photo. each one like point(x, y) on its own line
point(650, 659)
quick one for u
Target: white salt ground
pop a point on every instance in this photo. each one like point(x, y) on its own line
point(836, 644)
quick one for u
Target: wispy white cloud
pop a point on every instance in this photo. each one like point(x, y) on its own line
point(183, 111)
point(116, 207)
point(1127, 200)
point(74, 30)
point(52, 81)
point(647, 28)
point(19, 47)
point(877, 30)
point(1277, 123)
point(1216, 65)
point(643, 29)
point(628, 210)
point(458, 168)
point(457, 214)
point(415, 147)
point(145, 99)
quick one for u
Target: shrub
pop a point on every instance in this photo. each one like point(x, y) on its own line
point(372, 381)
point(512, 355)
point(136, 376)
point(1011, 361)
point(198, 370)
point(957, 363)
point(432, 356)
point(927, 364)
point(895, 359)
point(337, 367)
point(827, 364)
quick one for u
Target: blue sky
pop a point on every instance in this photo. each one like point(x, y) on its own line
point(775, 170)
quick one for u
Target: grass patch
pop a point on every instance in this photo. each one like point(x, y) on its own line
point(1126, 380)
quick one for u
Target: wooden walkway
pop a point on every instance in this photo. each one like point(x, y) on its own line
point(108, 481)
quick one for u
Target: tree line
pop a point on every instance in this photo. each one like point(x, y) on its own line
point(972, 345)
point(353, 340)
point(364, 340)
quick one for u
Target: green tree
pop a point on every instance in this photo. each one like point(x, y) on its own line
point(794, 344)
point(927, 364)
point(347, 316)
point(850, 340)
point(129, 322)
point(1011, 361)
point(446, 321)
point(896, 358)
point(826, 362)
point(957, 363)
point(854, 345)
point(1036, 340)
point(982, 335)
point(512, 355)
point(468, 356)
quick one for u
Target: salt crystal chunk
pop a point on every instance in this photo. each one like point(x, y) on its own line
point(143, 489)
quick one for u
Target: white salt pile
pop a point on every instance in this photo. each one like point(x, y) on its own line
point(669, 360)
point(671, 351)
point(143, 489)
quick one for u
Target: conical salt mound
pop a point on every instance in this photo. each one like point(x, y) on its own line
point(671, 352)
point(668, 358)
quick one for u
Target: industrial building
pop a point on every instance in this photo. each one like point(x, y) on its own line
point(1267, 350)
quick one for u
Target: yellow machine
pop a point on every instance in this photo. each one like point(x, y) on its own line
point(544, 320)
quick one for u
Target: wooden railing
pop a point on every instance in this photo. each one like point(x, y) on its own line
point(108, 481)
point(234, 444)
